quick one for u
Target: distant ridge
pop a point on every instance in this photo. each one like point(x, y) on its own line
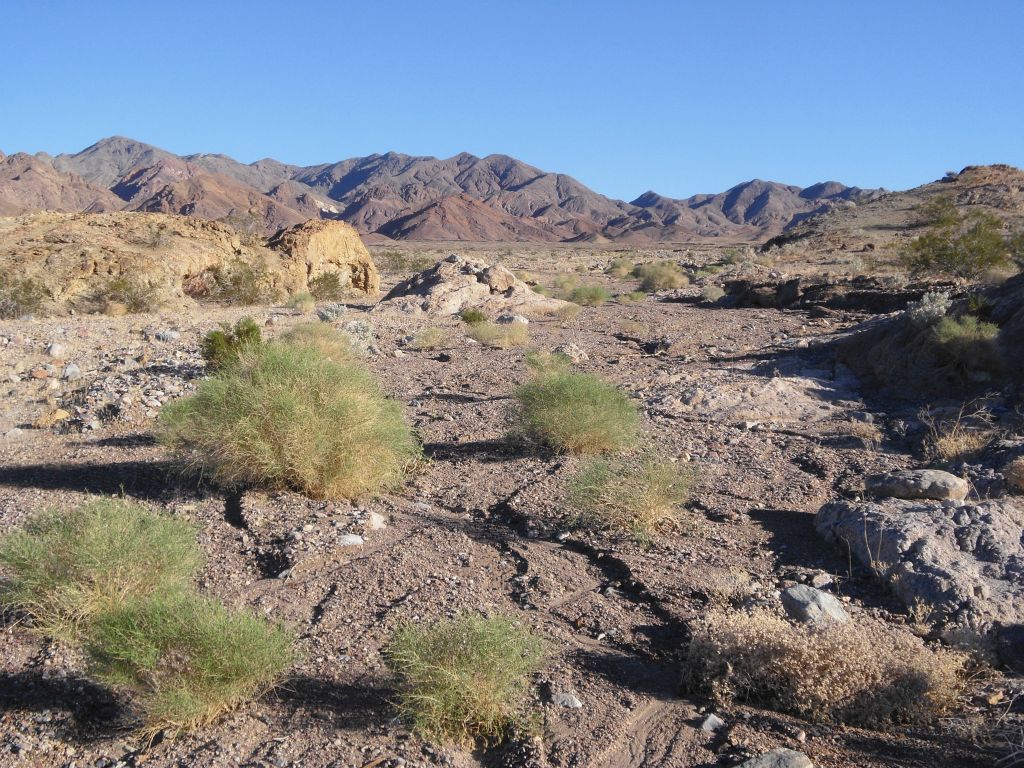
point(398, 196)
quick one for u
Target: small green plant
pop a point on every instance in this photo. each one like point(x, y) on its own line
point(240, 283)
point(327, 286)
point(965, 245)
point(589, 295)
point(464, 680)
point(472, 316)
point(135, 296)
point(540, 290)
point(620, 267)
point(287, 416)
point(968, 344)
point(640, 496)
point(20, 296)
point(633, 297)
point(500, 335)
point(187, 659)
point(574, 412)
point(325, 340)
point(429, 338)
point(302, 302)
point(223, 346)
point(64, 569)
point(712, 293)
point(660, 275)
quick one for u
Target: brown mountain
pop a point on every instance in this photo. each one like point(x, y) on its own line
point(29, 183)
point(401, 196)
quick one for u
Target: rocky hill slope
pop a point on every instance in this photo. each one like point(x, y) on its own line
point(400, 196)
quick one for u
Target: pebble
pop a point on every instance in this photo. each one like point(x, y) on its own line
point(376, 522)
point(566, 700)
point(71, 372)
point(168, 335)
point(56, 351)
point(350, 540)
point(712, 723)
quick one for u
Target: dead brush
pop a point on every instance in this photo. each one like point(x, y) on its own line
point(960, 437)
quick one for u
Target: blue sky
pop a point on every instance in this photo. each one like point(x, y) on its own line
point(679, 97)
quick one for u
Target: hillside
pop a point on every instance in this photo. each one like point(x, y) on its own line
point(463, 197)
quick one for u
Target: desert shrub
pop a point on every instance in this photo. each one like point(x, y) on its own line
point(327, 286)
point(464, 680)
point(325, 340)
point(957, 436)
point(633, 297)
point(472, 316)
point(186, 659)
point(540, 290)
point(500, 335)
point(564, 284)
point(864, 674)
point(302, 302)
point(20, 296)
point(429, 338)
point(574, 412)
point(660, 275)
point(967, 344)
point(640, 496)
point(931, 308)
point(133, 295)
point(527, 277)
point(590, 295)
point(568, 311)
point(396, 261)
point(287, 416)
point(241, 283)
point(64, 569)
point(712, 293)
point(958, 244)
point(223, 346)
point(620, 267)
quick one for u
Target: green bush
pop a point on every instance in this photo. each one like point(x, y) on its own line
point(222, 347)
point(500, 335)
point(20, 296)
point(633, 297)
point(327, 286)
point(327, 341)
point(589, 295)
point(565, 284)
point(574, 412)
point(640, 497)
point(464, 680)
point(968, 344)
point(660, 275)
point(965, 245)
point(187, 659)
point(241, 283)
point(620, 267)
point(472, 316)
point(302, 302)
point(64, 569)
point(133, 295)
point(287, 416)
point(396, 261)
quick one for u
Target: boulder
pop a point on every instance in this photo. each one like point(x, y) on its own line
point(779, 758)
point(317, 246)
point(1014, 474)
point(812, 606)
point(457, 283)
point(918, 484)
point(963, 563)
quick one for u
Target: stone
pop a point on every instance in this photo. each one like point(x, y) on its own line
point(1014, 474)
point(56, 351)
point(168, 335)
point(712, 723)
point(510, 319)
point(321, 246)
point(566, 700)
point(572, 352)
point(812, 606)
point(376, 522)
point(961, 562)
point(71, 372)
point(779, 758)
point(350, 540)
point(918, 484)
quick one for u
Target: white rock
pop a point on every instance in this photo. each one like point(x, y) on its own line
point(376, 522)
point(71, 372)
point(566, 700)
point(350, 540)
point(56, 351)
point(712, 723)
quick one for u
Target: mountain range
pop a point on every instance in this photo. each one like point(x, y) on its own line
point(396, 196)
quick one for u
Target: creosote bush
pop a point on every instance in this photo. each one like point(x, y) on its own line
point(574, 412)
point(472, 316)
point(222, 347)
point(633, 297)
point(464, 680)
point(589, 295)
point(712, 293)
point(327, 286)
point(641, 496)
point(965, 245)
point(864, 673)
point(64, 569)
point(287, 416)
point(241, 283)
point(396, 261)
point(500, 335)
point(660, 275)
point(186, 659)
point(302, 302)
point(20, 296)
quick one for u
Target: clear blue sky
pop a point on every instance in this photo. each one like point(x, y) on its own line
point(679, 97)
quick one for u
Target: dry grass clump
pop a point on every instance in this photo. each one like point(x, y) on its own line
point(660, 275)
point(222, 347)
point(121, 295)
point(287, 416)
point(589, 295)
point(574, 413)
point(186, 659)
point(620, 267)
point(20, 296)
point(325, 340)
point(961, 436)
point(64, 569)
point(712, 293)
point(864, 674)
point(568, 312)
point(429, 338)
point(302, 302)
point(641, 496)
point(464, 680)
point(500, 335)
point(633, 297)
point(968, 344)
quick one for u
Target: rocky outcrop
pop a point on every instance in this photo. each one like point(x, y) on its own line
point(959, 562)
point(458, 283)
point(318, 246)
